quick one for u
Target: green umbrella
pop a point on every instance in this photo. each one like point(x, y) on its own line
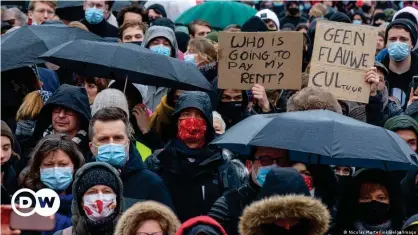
point(219, 14)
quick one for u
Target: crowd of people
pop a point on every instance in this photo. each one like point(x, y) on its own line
point(128, 158)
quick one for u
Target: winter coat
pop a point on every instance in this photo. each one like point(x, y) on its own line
point(78, 216)
point(141, 184)
point(155, 94)
point(271, 209)
point(161, 120)
point(201, 225)
point(194, 185)
point(70, 97)
point(143, 211)
point(9, 185)
point(102, 29)
point(410, 193)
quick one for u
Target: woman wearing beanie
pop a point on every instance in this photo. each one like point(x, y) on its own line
point(98, 200)
point(53, 163)
point(8, 157)
point(148, 217)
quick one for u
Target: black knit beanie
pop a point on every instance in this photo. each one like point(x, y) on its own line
point(96, 176)
point(158, 8)
point(405, 24)
point(340, 17)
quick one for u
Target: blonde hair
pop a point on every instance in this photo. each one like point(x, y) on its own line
point(51, 3)
point(31, 106)
point(204, 48)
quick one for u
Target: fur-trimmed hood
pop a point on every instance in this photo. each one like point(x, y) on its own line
point(269, 210)
point(142, 211)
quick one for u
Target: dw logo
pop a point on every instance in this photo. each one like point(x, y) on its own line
point(46, 202)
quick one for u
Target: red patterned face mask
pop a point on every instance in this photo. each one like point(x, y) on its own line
point(192, 130)
point(308, 181)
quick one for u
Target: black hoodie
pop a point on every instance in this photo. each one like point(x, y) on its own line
point(410, 193)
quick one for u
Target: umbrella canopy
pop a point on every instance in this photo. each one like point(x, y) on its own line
point(70, 10)
point(323, 137)
point(23, 46)
point(219, 14)
point(121, 60)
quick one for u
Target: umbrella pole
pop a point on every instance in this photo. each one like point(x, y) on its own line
point(126, 82)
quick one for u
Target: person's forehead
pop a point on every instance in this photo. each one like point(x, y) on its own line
point(132, 15)
point(232, 92)
point(109, 127)
point(398, 32)
point(42, 5)
point(202, 28)
point(133, 31)
point(408, 134)
point(5, 140)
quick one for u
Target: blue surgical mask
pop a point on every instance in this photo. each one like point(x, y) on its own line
point(161, 49)
point(114, 154)
point(57, 178)
point(94, 15)
point(398, 51)
point(190, 58)
point(262, 173)
point(358, 22)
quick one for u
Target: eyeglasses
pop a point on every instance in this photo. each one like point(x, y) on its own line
point(42, 11)
point(68, 112)
point(156, 233)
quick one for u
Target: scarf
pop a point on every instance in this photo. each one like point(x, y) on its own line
point(105, 226)
point(78, 138)
point(370, 229)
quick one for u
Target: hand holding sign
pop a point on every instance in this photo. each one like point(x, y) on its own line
point(259, 93)
point(372, 78)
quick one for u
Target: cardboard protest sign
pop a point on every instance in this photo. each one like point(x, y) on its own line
point(271, 59)
point(342, 54)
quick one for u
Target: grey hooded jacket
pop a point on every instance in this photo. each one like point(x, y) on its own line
point(154, 94)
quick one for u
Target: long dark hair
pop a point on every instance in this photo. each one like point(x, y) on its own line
point(48, 144)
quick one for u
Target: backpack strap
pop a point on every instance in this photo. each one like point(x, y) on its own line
point(67, 231)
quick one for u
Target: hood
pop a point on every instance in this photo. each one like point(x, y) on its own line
point(283, 181)
point(410, 10)
point(199, 224)
point(270, 15)
point(78, 219)
point(201, 101)
point(401, 122)
point(161, 31)
point(142, 211)
point(70, 97)
point(271, 209)
point(410, 222)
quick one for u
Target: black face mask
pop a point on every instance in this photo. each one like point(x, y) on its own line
point(231, 110)
point(373, 212)
point(293, 11)
point(366, 8)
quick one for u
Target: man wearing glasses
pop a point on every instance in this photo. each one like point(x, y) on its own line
point(41, 11)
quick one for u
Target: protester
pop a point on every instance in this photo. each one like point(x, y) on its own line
point(201, 52)
point(161, 40)
point(14, 17)
point(406, 127)
point(9, 157)
point(270, 18)
point(41, 11)
point(380, 42)
point(28, 112)
point(148, 218)
point(201, 225)
point(191, 170)
point(293, 15)
point(379, 19)
point(111, 143)
point(98, 200)
point(199, 28)
point(93, 86)
point(401, 36)
point(132, 12)
point(133, 32)
point(358, 18)
point(372, 204)
point(156, 11)
point(94, 18)
point(54, 161)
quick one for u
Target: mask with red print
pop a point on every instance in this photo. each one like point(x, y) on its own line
point(99, 206)
point(192, 129)
point(308, 181)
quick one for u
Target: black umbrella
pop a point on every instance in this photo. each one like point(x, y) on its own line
point(23, 46)
point(323, 137)
point(121, 60)
point(70, 10)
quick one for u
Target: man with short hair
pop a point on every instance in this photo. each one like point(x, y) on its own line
point(132, 31)
point(41, 11)
point(406, 127)
point(111, 143)
point(402, 63)
point(14, 17)
point(94, 18)
point(199, 29)
point(133, 12)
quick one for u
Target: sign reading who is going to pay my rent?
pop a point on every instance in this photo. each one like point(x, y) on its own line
point(271, 59)
point(342, 54)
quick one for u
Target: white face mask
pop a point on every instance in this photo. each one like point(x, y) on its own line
point(99, 206)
